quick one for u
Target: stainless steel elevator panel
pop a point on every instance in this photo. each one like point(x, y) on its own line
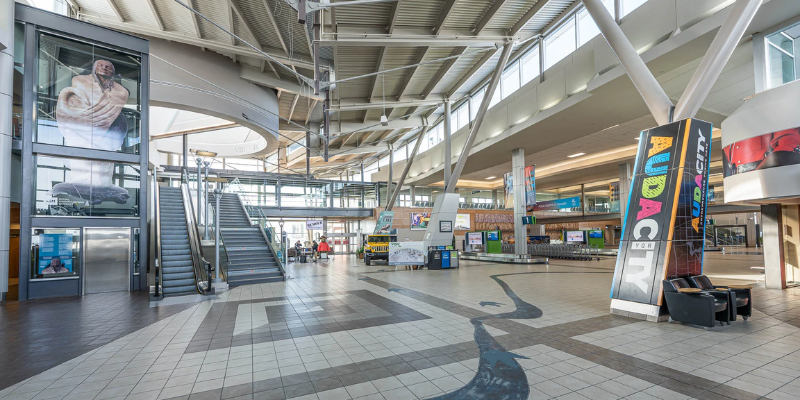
point(107, 253)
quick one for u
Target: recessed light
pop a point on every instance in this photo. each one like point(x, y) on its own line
point(638, 138)
point(576, 155)
point(491, 177)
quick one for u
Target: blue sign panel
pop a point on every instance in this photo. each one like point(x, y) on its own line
point(557, 204)
point(55, 253)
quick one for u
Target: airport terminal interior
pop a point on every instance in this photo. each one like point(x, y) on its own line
point(399, 199)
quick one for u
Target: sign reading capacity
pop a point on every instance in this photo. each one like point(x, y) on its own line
point(664, 229)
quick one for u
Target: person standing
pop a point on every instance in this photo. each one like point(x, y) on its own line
point(314, 247)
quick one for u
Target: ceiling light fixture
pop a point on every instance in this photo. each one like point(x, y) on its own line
point(204, 153)
point(576, 155)
point(491, 177)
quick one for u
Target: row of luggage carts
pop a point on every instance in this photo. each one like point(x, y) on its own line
point(565, 251)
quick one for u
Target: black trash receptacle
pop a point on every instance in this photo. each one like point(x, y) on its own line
point(434, 259)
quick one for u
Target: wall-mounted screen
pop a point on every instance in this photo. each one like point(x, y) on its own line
point(475, 238)
point(575, 236)
point(493, 236)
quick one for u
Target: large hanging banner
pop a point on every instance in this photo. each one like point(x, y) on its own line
point(508, 191)
point(557, 204)
point(384, 225)
point(530, 185)
point(770, 150)
point(664, 226)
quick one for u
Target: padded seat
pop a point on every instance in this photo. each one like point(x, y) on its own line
point(702, 308)
point(742, 298)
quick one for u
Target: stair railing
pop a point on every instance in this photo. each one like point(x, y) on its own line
point(157, 220)
point(199, 263)
point(235, 187)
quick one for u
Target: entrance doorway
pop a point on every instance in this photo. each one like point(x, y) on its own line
point(106, 260)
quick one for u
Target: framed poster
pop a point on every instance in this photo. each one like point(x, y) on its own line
point(55, 253)
point(419, 221)
point(475, 238)
point(463, 222)
point(445, 226)
point(406, 253)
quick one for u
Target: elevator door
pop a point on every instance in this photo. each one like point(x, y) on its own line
point(106, 259)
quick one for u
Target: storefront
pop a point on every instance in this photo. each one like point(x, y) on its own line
point(83, 154)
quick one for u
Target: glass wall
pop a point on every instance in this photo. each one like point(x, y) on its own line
point(88, 96)
point(19, 72)
point(782, 66)
point(85, 188)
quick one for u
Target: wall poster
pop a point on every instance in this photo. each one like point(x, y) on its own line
point(530, 185)
point(419, 221)
point(88, 97)
point(55, 253)
point(463, 222)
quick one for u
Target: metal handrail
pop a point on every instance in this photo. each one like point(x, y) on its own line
point(157, 219)
point(198, 261)
point(235, 187)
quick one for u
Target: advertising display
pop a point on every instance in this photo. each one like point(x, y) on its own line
point(314, 224)
point(492, 236)
point(419, 221)
point(55, 253)
point(575, 237)
point(712, 197)
point(88, 98)
point(663, 234)
point(530, 185)
point(596, 234)
point(508, 191)
point(406, 253)
point(770, 150)
point(463, 222)
point(384, 225)
point(475, 238)
point(557, 204)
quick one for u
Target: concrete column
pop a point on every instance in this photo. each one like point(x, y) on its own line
point(413, 193)
point(6, 96)
point(185, 164)
point(362, 171)
point(389, 180)
point(518, 172)
point(624, 189)
point(448, 130)
point(324, 226)
point(774, 264)
point(494, 198)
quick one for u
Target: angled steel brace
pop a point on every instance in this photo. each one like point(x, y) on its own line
point(718, 54)
point(654, 96)
point(410, 160)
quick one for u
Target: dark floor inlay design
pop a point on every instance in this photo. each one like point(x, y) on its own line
point(301, 317)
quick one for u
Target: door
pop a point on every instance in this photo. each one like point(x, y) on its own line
point(106, 260)
point(791, 243)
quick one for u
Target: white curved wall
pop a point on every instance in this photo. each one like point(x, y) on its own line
point(769, 111)
point(201, 97)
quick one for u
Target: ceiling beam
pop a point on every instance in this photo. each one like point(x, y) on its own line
point(442, 72)
point(487, 17)
point(353, 106)
point(527, 17)
point(413, 121)
point(214, 45)
point(448, 8)
point(411, 71)
point(422, 41)
point(155, 14)
point(196, 24)
point(294, 104)
point(254, 75)
point(116, 10)
point(246, 24)
point(384, 50)
point(310, 110)
point(472, 71)
point(274, 24)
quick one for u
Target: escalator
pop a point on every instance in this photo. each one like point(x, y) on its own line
point(180, 265)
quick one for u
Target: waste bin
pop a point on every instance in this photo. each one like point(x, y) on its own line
point(434, 259)
point(453, 259)
point(445, 258)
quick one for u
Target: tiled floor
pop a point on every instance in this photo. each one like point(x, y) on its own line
point(340, 330)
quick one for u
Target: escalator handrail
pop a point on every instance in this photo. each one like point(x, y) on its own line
point(198, 262)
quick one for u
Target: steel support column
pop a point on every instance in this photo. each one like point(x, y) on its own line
point(6, 96)
point(718, 54)
point(389, 185)
point(390, 203)
point(462, 159)
point(447, 145)
point(185, 163)
point(518, 172)
point(654, 96)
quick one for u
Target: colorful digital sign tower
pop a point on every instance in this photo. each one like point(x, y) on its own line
point(664, 226)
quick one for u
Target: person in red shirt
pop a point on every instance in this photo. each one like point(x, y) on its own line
point(766, 151)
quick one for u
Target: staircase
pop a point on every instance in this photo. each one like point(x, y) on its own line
point(250, 258)
point(177, 268)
